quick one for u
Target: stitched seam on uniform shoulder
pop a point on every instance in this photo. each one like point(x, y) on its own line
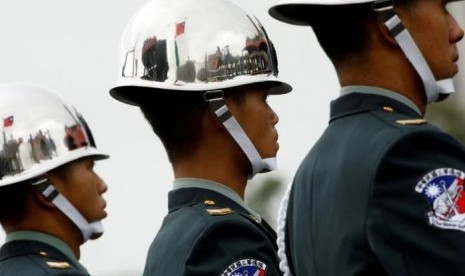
point(313, 215)
point(388, 149)
point(202, 213)
point(374, 173)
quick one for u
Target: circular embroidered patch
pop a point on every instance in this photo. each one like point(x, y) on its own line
point(444, 191)
point(246, 267)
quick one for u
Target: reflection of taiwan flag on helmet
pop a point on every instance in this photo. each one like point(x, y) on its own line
point(444, 191)
point(246, 267)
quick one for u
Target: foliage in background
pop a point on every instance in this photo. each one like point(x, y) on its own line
point(449, 115)
point(264, 197)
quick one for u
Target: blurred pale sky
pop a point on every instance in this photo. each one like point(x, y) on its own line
point(72, 48)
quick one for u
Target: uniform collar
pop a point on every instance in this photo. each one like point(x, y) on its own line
point(371, 90)
point(218, 188)
point(49, 240)
point(352, 102)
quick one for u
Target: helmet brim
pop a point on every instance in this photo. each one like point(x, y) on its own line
point(49, 165)
point(297, 12)
point(133, 94)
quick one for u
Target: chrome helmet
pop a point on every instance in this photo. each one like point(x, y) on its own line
point(203, 47)
point(291, 11)
point(40, 132)
point(194, 46)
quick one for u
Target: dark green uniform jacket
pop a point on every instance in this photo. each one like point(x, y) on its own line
point(206, 233)
point(380, 193)
point(37, 254)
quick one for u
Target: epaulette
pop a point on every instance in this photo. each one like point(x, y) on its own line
point(54, 264)
point(412, 122)
point(59, 265)
point(44, 258)
point(216, 211)
point(419, 121)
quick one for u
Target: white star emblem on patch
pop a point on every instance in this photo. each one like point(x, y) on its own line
point(433, 190)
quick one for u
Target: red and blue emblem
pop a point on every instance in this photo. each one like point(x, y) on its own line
point(444, 191)
point(246, 267)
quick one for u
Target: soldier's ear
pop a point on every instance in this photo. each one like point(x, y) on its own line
point(384, 33)
point(43, 201)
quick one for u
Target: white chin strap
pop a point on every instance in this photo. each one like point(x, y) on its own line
point(218, 106)
point(433, 88)
point(87, 229)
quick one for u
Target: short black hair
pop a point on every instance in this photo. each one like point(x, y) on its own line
point(341, 30)
point(176, 116)
point(13, 201)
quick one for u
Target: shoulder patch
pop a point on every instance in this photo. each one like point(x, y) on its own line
point(444, 190)
point(251, 267)
point(220, 211)
point(59, 265)
point(412, 122)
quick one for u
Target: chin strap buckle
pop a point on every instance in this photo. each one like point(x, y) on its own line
point(383, 5)
point(213, 95)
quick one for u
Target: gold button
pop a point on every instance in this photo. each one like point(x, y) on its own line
point(254, 218)
point(388, 109)
point(209, 202)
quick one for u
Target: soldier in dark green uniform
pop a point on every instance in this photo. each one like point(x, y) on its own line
point(201, 71)
point(381, 192)
point(50, 197)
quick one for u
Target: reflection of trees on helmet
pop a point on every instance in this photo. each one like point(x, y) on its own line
point(9, 158)
point(223, 65)
point(186, 72)
point(42, 146)
point(155, 60)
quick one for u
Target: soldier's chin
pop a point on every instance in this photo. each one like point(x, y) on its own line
point(96, 236)
point(442, 97)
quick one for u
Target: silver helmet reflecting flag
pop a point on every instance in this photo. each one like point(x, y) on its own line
point(194, 46)
point(40, 132)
